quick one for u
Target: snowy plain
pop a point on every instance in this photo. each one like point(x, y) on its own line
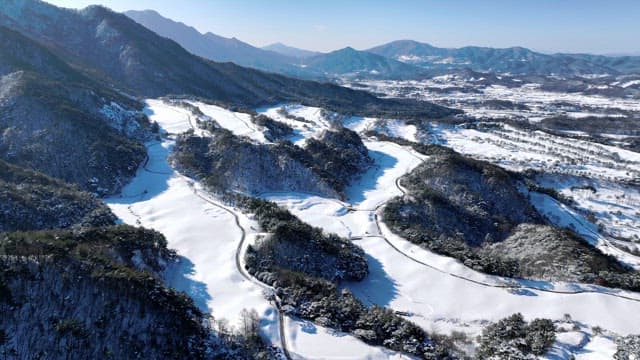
point(539, 103)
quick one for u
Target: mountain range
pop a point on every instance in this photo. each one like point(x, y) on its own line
point(277, 58)
point(514, 60)
point(402, 59)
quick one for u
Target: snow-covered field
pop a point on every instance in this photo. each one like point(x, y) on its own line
point(312, 125)
point(238, 123)
point(430, 286)
point(436, 292)
point(518, 149)
point(314, 342)
point(207, 238)
point(615, 206)
point(477, 102)
point(439, 293)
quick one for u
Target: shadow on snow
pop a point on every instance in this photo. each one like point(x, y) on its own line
point(178, 275)
point(377, 288)
point(356, 193)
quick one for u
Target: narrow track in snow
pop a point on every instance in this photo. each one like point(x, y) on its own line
point(481, 283)
point(242, 270)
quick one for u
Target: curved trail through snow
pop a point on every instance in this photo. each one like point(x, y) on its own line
point(326, 213)
point(242, 270)
point(513, 286)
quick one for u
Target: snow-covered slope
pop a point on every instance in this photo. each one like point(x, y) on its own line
point(238, 123)
point(306, 121)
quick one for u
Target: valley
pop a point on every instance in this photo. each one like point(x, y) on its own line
point(404, 277)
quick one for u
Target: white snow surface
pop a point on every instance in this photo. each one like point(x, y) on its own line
point(599, 348)
point(314, 342)
point(614, 205)
point(518, 149)
point(238, 123)
point(202, 232)
point(428, 286)
point(314, 121)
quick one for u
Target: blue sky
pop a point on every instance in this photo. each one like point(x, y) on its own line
point(595, 26)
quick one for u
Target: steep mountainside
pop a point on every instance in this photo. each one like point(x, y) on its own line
point(514, 60)
point(116, 49)
point(217, 48)
point(301, 63)
point(56, 120)
point(64, 136)
point(32, 201)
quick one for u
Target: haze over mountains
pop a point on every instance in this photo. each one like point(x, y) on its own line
point(290, 50)
point(280, 59)
point(514, 60)
point(402, 59)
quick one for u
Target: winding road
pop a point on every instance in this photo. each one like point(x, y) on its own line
point(510, 286)
point(243, 271)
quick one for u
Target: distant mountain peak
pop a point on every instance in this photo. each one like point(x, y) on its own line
point(145, 11)
point(349, 61)
point(347, 49)
point(291, 51)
